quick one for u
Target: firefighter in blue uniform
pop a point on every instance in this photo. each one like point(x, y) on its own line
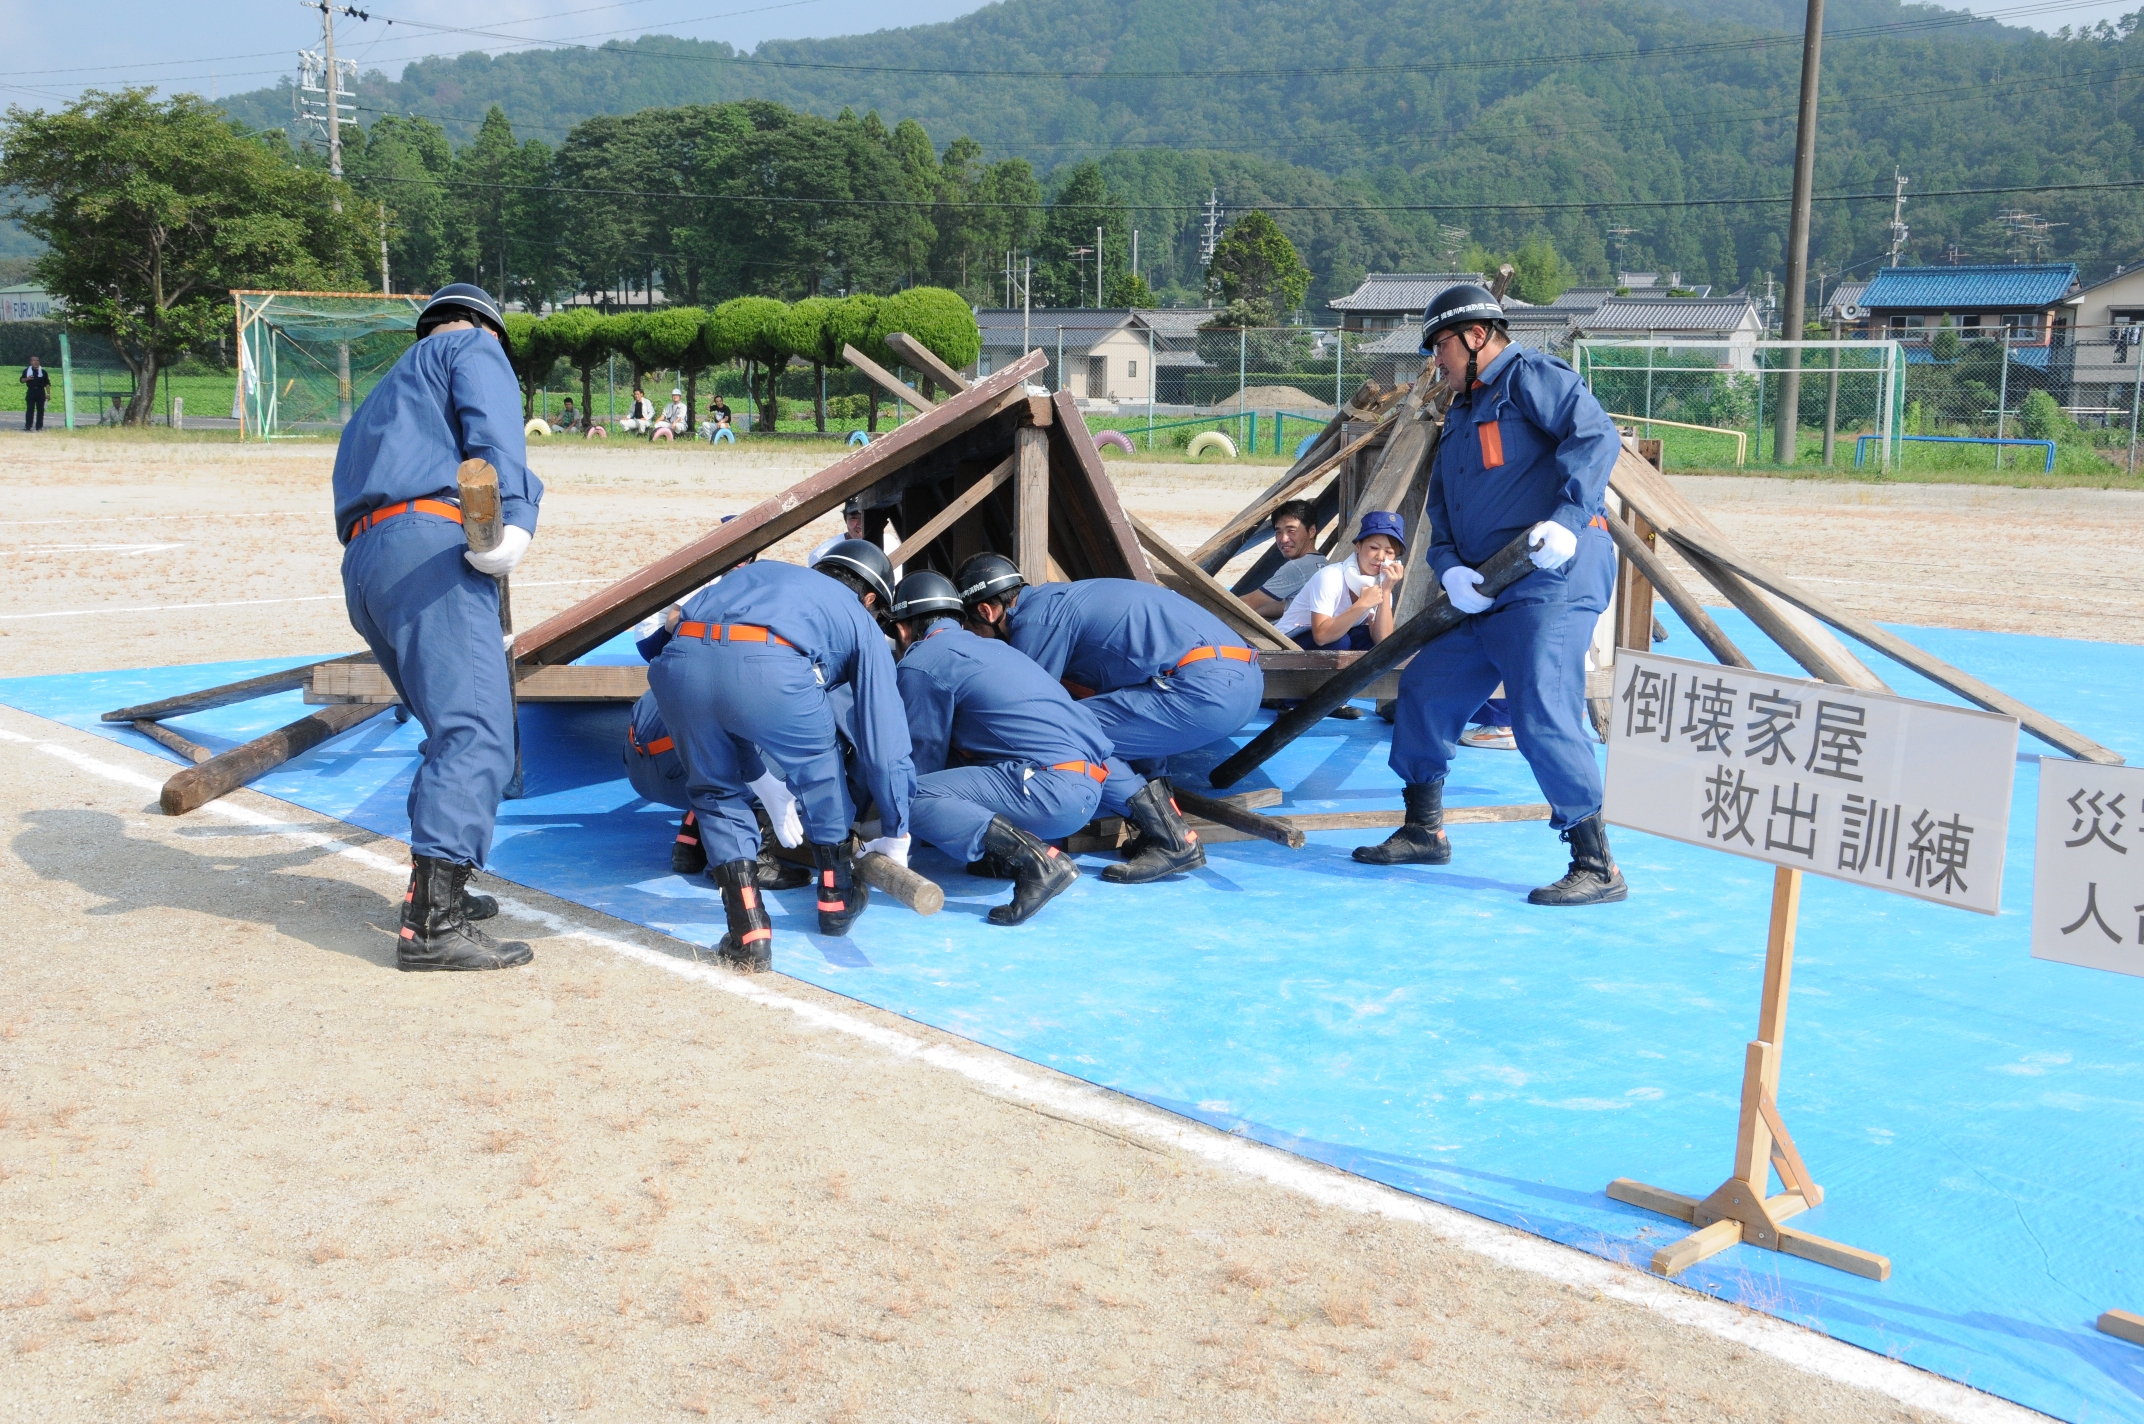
point(1159, 674)
point(1526, 449)
point(428, 605)
point(751, 664)
point(1005, 759)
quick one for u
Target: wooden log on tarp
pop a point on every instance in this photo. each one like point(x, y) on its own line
point(918, 892)
point(1276, 829)
point(1971, 688)
point(1691, 612)
point(157, 732)
point(227, 771)
point(244, 690)
point(1509, 564)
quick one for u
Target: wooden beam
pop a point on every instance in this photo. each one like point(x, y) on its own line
point(227, 771)
point(244, 690)
point(1277, 829)
point(893, 385)
point(1070, 431)
point(1217, 599)
point(1031, 503)
point(157, 732)
point(945, 518)
point(2123, 1325)
point(367, 682)
point(605, 614)
point(914, 353)
point(1647, 562)
point(1971, 688)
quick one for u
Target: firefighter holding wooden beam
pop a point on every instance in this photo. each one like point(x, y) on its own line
point(428, 605)
point(1526, 450)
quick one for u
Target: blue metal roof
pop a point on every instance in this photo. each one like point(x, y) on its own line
point(2020, 286)
point(2034, 357)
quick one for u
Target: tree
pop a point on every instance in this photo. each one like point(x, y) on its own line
point(1129, 289)
point(403, 165)
point(755, 329)
point(1083, 203)
point(818, 329)
point(668, 339)
point(576, 335)
point(152, 212)
point(619, 333)
point(527, 354)
point(1539, 273)
point(936, 319)
point(1254, 264)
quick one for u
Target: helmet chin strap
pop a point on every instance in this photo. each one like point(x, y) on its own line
point(1473, 357)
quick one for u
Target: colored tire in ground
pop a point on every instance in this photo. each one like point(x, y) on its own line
point(1211, 440)
point(722, 433)
point(859, 437)
point(536, 427)
point(1308, 441)
point(1113, 437)
point(597, 432)
point(662, 432)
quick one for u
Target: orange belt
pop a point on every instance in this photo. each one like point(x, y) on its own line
point(734, 633)
point(1199, 655)
point(654, 748)
point(1083, 768)
point(1597, 523)
point(388, 511)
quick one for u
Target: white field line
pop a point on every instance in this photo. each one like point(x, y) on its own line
point(245, 602)
point(88, 548)
point(1806, 1350)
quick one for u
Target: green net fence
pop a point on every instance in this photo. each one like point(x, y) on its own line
point(307, 359)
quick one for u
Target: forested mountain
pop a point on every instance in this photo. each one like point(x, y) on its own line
point(1635, 114)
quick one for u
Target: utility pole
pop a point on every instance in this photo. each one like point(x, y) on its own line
point(1790, 383)
point(386, 281)
point(1898, 215)
point(1210, 239)
point(1097, 269)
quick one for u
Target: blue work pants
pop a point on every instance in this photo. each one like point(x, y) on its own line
point(723, 702)
point(952, 808)
point(433, 622)
point(1199, 705)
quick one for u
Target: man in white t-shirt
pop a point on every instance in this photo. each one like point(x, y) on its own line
point(677, 418)
point(1295, 535)
point(1349, 605)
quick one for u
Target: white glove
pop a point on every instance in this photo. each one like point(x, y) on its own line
point(894, 848)
point(513, 543)
point(1459, 587)
point(781, 804)
point(1551, 544)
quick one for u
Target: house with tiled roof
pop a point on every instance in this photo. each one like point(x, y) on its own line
point(1733, 320)
point(1101, 355)
point(2027, 299)
point(2106, 356)
point(1387, 300)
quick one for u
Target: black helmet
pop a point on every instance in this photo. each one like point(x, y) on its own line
point(988, 577)
point(1462, 305)
point(925, 593)
point(461, 301)
point(867, 561)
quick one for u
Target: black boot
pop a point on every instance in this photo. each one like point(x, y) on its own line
point(436, 933)
point(749, 945)
point(774, 873)
point(993, 867)
point(687, 855)
point(1421, 841)
point(1166, 845)
point(475, 906)
point(842, 896)
point(1040, 872)
point(1592, 878)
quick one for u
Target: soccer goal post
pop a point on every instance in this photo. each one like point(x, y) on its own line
point(307, 359)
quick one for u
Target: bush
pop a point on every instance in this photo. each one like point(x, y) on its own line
point(2042, 419)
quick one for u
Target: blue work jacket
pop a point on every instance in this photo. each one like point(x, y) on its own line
point(1530, 443)
point(451, 397)
point(979, 700)
point(824, 623)
point(1107, 633)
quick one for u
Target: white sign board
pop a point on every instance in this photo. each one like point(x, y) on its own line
point(2088, 866)
point(1911, 797)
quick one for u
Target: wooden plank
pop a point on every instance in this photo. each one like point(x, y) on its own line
point(244, 690)
point(1074, 439)
point(1801, 637)
point(1216, 597)
point(893, 385)
point(1633, 590)
point(914, 353)
point(227, 771)
point(1277, 829)
point(1638, 1194)
point(1787, 1157)
point(157, 732)
point(1835, 1254)
point(1219, 550)
point(366, 682)
point(944, 519)
point(2123, 1326)
point(1971, 688)
point(611, 611)
point(1677, 1257)
point(1693, 613)
point(1031, 503)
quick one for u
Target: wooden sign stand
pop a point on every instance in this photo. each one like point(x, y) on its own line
point(1740, 1211)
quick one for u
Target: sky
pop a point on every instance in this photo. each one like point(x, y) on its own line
point(51, 53)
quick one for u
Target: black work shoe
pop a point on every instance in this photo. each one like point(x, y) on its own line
point(993, 867)
point(474, 906)
point(436, 933)
point(688, 856)
point(1592, 878)
point(1421, 840)
point(749, 944)
point(842, 897)
point(1166, 845)
point(1040, 872)
point(771, 872)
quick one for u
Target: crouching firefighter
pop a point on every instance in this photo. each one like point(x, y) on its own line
point(428, 605)
point(751, 665)
point(656, 768)
point(1159, 675)
point(1006, 761)
point(1526, 450)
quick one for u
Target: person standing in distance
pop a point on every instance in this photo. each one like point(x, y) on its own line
point(36, 386)
point(1526, 450)
point(428, 605)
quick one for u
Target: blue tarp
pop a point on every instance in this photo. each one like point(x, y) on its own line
point(1973, 1113)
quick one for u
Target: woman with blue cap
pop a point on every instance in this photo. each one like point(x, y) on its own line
point(1349, 605)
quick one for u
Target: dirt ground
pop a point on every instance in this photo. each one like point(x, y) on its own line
point(247, 1171)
